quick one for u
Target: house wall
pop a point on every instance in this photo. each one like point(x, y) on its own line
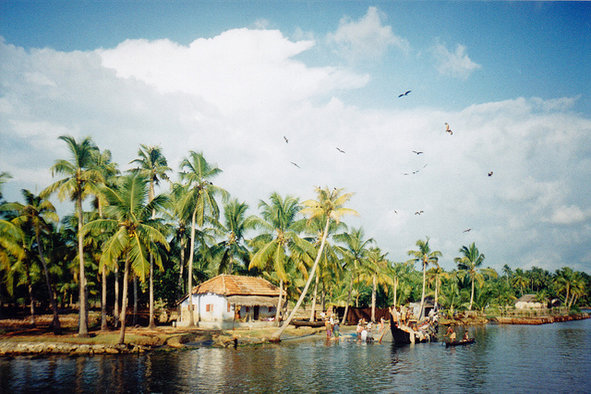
point(528, 305)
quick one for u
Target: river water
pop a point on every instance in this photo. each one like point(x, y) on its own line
point(504, 358)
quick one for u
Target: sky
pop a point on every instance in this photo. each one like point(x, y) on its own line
point(231, 79)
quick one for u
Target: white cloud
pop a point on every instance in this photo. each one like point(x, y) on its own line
point(366, 39)
point(206, 97)
point(455, 64)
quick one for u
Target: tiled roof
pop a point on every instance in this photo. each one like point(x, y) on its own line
point(237, 285)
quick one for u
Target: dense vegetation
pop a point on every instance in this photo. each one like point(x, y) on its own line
point(121, 232)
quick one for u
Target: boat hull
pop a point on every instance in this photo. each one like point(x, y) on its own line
point(459, 343)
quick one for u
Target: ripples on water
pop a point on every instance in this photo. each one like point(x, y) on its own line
point(547, 358)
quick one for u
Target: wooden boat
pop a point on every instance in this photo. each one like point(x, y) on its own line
point(401, 335)
point(460, 342)
point(307, 323)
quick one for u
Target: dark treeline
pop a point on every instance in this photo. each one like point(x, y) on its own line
point(125, 241)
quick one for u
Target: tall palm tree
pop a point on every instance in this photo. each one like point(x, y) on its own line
point(36, 213)
point(520, 280)
point(354, 253)
point(376, 271)
point(470, 262)
point(425, 256)
point(135, 232)
point(152, 165)
point(329, 204)
point(199, 201)
point(234, 227)
point(279, 238)
point(398, 271)
point(435, 274)
point(79, 180)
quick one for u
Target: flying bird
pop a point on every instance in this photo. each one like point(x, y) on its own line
point(404, 94)
point(340, 150)
point(448, 130)
point(295, 164)
point(467, 230)
point(286, 140)
point(419, 212)
point(396, 212)
point(417, 152)
point(490, 174)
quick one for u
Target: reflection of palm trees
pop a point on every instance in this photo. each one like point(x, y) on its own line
point(425, 256)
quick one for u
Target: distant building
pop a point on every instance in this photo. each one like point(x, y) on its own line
point(529, 301)
point(231, 301)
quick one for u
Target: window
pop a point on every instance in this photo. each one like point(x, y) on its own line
point(208, 307)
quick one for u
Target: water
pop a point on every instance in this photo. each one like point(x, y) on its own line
point(547, 358)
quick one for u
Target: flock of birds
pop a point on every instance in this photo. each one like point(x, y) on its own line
point(447, 130)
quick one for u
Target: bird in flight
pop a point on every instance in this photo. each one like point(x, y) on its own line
point(419, 212)
point(295, 164)
point(404, 94)
point(490, 173)
point(417, 152)
point(340, 150)
point(286, 140)
point(447, 129)
point(467, 230)
point(396, 212)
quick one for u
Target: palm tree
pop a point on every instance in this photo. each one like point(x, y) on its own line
point(200, 201)
point(80, 178)
point(36, 214)
point(520, 280)
point(425, 256)
point(235, 225)
point(355, 253)
point(376, 271)
point(329, 204)
point(153, 166)
point(469, 262)
point(436, 273)
point(135, 232)
point(280, 224)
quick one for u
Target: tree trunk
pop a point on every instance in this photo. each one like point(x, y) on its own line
point(471, 296)
point(277, 335)
point(134, 300)
point(83, 324)
point(190, 273)
point(55, 324)
point(32, 298)
point(314, 298)
point(124, 300)
point(373, 299)
point(279, 302)
point(436, 290)
point(181, 283)
point(348, 301)
point(116, 304)
point(104, 298)
point(151, 323)
point(395, 291)
point(421, 311)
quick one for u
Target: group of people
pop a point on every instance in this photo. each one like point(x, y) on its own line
point(332, 325)
point(364, 330)
point(451, 334)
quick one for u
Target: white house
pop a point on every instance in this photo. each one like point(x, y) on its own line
point(231, 301)
point(528, 301)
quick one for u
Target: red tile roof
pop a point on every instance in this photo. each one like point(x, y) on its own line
point(237, 285)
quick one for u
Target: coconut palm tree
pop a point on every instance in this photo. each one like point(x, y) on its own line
point(354, 253)
point(152, 165)
point(376, 271)
point(279, 240)
point(520, 280)
point(425, 256)
point(469, 262)
point(435, 274)
point(199, 201)
point(235, 225)
point(135, 232)
point(79, 179)
point(36, 213)
point(329, 204)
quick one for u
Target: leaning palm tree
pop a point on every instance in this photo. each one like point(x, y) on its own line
point(469, 262)
point(355, 257)
point(199, 201)
point(425, 256)
point(279, 240)
point(77, 184)
point(329, 204)
point(36, 213)
point(136, 234)
point(152, 165)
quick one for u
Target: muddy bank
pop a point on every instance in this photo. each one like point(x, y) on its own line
point(539, 319)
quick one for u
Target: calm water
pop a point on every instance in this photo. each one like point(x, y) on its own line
point(548, 358)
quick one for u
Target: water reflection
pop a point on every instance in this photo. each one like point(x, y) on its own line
point(504, 358)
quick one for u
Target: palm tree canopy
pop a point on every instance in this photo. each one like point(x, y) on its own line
point(329, 203)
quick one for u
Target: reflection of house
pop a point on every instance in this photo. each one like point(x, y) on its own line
point(229, 301)
point(528, 301)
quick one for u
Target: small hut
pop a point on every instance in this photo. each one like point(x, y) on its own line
point(231, 301)
point(528, 301)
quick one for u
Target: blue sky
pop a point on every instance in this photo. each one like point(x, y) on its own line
point(232, 78)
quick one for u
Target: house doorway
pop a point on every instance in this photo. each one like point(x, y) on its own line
point(256, 313)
